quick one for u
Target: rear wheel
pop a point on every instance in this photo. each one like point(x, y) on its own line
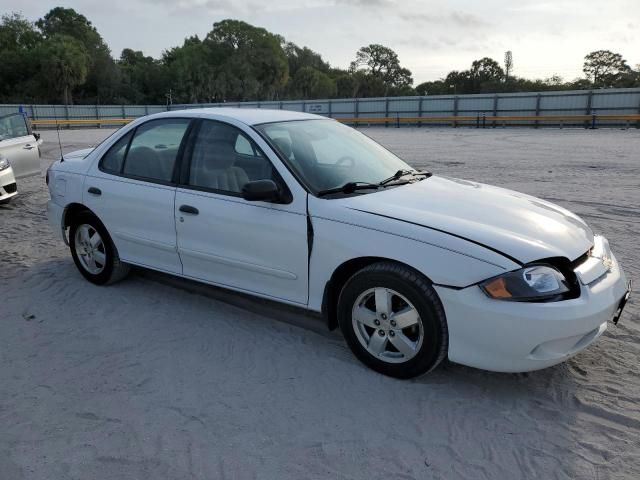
point(93, 252)
point(393, 321)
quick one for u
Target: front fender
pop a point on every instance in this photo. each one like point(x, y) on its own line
point(445, 261)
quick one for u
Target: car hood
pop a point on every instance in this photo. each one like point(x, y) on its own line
point(519, 226)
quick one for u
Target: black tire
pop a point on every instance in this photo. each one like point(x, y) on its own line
point(113, 270)
point(417, 290)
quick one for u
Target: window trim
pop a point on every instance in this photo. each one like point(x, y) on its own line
point(176, 167)
point(183, 181)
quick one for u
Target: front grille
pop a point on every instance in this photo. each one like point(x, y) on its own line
point(11, 188)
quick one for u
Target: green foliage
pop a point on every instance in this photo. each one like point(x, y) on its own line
point(605, 68)
point(381, 67)
point(62, 57)
point(64, 64)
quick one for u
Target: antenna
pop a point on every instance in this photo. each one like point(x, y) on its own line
point(59, 141)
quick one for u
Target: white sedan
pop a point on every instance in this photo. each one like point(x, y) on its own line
point(19, 153)
point(300, 209)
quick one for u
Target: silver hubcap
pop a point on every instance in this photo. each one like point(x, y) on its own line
point(387, 325)
point(90, 249)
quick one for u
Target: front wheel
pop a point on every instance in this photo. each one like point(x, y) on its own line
point(93, 251)
point(393, 321)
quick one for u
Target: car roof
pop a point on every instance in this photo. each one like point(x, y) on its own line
point(249, 116)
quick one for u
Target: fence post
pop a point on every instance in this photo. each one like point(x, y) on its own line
point(357, 110)
point(66, 114)
point(386, 111)
point(495, 110)
point(397, 119)
point(420, 112)
point(33, 112)
point(538, 98)
point(304, 106)
point(280, 105)
point(478, 120)
point(330, 108)
point(146, 109)
point(455, 111)
point(484, 120)
point(98, 116)
point(593, 121)
point(589, 103)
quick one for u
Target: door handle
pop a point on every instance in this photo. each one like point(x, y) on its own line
point(189, 209)
point(94, 191)
point(28, 147)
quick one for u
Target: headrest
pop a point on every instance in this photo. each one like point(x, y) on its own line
point(216, 155)
point(284, 145)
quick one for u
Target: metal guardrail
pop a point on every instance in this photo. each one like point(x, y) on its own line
point(479, 121)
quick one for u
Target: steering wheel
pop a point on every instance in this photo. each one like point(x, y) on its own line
point(346, 161)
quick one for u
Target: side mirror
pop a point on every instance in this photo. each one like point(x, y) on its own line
point(37, 136)
point(261, 190)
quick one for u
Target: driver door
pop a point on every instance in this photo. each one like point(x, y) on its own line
point(19, 146)
point(254, 246)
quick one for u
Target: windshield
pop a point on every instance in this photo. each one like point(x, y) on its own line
point(327, 154)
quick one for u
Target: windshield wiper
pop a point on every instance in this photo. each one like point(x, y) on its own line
point(349, 187)
point(401, 173)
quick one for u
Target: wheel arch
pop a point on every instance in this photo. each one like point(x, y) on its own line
point(340, 277)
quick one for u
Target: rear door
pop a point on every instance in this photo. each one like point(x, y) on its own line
point(258, 247)
point(132, 191)
point(19, 146)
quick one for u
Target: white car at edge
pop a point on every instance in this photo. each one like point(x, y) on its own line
point(300, 209)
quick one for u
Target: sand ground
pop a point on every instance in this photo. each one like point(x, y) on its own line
point(155, 378)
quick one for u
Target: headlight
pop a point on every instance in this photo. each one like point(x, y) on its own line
point(536, 282)
point(4, 163)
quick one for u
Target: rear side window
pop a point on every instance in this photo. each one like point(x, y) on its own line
point(154, 149)
point(114, 158)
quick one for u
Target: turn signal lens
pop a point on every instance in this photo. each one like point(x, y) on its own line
point(497, 288)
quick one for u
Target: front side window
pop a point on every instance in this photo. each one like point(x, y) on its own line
point(225, 159)
point(154, 149)
point(327, 154)
point(13, 126)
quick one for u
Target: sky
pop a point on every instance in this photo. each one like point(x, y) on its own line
point(431, 37)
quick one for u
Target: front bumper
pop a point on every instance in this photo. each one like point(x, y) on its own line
point(8, 187)
point(517, 336)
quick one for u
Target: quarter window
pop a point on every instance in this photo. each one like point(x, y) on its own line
point(114, 158)
point(224, 159)
point(154, 149)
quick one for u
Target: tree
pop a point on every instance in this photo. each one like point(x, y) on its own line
point(252, 61)
point(300, 57)
point(19, 41)
point(311, 83)
point(383, 64)
point(605, 68)
point(65, 64)
point(102, 77)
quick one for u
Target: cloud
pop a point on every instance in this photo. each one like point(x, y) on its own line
point(456, 18)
